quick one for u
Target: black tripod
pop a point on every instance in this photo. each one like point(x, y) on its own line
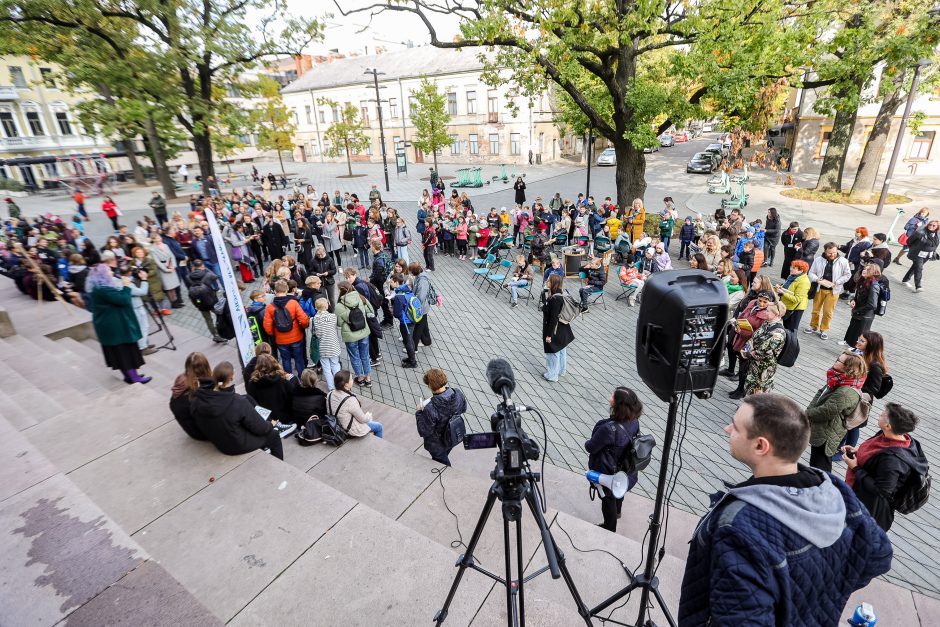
point(511, 490)
point(645, 581)
point(157, 317)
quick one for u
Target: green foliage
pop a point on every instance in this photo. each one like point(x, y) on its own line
point(347, 134)
point(431, 118)
point(273, 121)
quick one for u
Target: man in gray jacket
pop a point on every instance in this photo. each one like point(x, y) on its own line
point(829, 272)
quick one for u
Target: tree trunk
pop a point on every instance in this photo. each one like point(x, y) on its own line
point(348, 160)
point(864, 185)
point(159, 160)
point(830, 176)
point(128, 143)
point(434, 154)
point(630, 172)
point(280, 160)
point(202, 143)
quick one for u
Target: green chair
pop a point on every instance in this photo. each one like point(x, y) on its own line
point(597, 295)
point(602, 244)
point(498, 278)
point(484, 268)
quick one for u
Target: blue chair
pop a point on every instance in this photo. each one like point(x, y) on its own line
point(484, 269)
point(596, 295)
point(498, 277)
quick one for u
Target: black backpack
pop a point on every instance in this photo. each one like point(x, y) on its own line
point(790, 350)
point(887, 383)
point(283, 321)
point(375, 296)
point(637, 454)
point(202, 296)
point(357, 319)
point(331, 432)
point(454, 431)
point(309, 433)
point(913, 494)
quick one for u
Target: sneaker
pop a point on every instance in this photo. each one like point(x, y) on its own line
point(513, 304)
point(375, 363)
point(918, 290)
point(409, 364)
point(366, 383)
point(908, 284)
point(547, 378)
point(178, 305)
point(823, 335)
point(736, 395)
point(810, 330)
point(284, 430)
point(218, 339)
point(842, 343)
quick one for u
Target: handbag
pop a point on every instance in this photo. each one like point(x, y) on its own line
point(903, 239)
point(331, 431)
point(859, 416)
point(374, 327)
point(236, 253)
point(315, 349)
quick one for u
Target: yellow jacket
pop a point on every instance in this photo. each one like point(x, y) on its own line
point(796, 298)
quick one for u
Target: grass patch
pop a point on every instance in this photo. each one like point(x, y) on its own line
point(841, 197)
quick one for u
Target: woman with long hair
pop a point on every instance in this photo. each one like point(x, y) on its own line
point(871, 346)
point(184, 389)
point(303, 241)
point(864, 304)
point(771, 236)
point(606, 445)
point(833, 403)
point(557, 334)
point(794, 293)
point(810, 245)
point(272, 388)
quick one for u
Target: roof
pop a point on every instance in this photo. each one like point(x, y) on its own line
point(408, 63)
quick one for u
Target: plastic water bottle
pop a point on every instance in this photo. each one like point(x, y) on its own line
point(864, 616)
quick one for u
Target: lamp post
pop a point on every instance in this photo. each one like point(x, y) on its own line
point(590, 146)
point(378, 105)
point(897, 143)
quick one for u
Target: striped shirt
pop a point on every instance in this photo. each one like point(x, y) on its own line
point(324, 325)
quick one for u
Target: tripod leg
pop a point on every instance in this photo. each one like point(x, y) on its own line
point(467, 558)
point(520, 571)
point(511, 616)
point(549, 543)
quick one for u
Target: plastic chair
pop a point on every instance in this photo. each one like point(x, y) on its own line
point(484, 269)
point(602, 244)
point(498, 278)
point(594, 296)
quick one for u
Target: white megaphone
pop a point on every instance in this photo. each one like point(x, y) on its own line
point(617, 484)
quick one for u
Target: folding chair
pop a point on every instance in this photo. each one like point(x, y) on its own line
point(484, 268)
point(595, 296)
point(498, 277)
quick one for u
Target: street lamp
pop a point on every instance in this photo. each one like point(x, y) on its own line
point(897, 143)
point(378, 104)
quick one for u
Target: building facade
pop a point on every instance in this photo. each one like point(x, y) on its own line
point(808, 135)
point(483, 127)
point(39, 128)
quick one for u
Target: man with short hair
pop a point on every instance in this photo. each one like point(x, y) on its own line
point(203, 284)
point(290, 343)
point(158, 204)
point(829, 272)
point(789, 545)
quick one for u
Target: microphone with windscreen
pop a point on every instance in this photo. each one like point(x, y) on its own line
point(500, 377)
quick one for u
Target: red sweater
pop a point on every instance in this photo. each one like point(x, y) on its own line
point(870, 448)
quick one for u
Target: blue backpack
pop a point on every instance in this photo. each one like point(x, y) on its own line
point(307, 305)
point(413, 311)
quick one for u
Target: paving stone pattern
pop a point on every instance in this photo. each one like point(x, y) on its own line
point(473, 327)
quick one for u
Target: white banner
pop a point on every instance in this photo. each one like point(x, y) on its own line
point(246, 345)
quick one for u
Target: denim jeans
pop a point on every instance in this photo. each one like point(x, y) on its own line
point(376, 428)
point(586, 292)
point(514, 288)
point(330, 368)
point(403, 253)
point(556, 364)
point(292, 352)
point(364, 261)
point(359, 357)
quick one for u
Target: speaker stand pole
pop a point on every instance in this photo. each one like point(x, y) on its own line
point(645, 581)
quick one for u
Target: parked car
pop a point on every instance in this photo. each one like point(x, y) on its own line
point(650, 149)
point(608, 157)
point(666, 141)
point(680, 136)
point(701, 162)
point(708, 127)
point(716, 149)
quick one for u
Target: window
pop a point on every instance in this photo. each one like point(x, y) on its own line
point(452, 102)
point(396, 144)
point(62, 118)
point(315, 147)
point(494, 143)
point(825, 134)
point(471, 102)
point(364, 112)
point(245, 139)
point(454, 145)
point(17, 77)
point(35, 124)
point(393, 107)
point(515, 147)
point(541, 143)
point(296, 117)
point(412, 106)
point(52, 169)
point(920, 147)
point(308, 112)
point(474, 145)
point(492, 108)
point(47, 77)
point(336, 113)
point(8, 124)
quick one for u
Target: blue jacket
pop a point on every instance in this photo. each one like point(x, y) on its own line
point(687, 233)
point(773, 555)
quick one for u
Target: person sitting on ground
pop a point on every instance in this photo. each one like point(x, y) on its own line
point(184, 389)
point(229, 420)
point(272, 388)
point(343, 404)
point(307, 400)
point(434, 414)
point(595, 280)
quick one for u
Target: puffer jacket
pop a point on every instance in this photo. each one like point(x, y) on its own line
point(759, 555)
point(826, 413)
point(180, 406)
point(229, 420)
point(432, 419)
point(606, 445)
point(351, 300)
point(307, 402)
point(272, 392)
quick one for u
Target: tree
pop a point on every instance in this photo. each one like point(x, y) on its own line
point(430, 119)
point(204, 42)
point(345, 135)
point(273, 120)
point(627, 65)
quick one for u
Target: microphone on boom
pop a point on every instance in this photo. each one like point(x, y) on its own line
point(500, 377)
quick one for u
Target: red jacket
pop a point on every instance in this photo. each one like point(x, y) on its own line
point(301, 321)
point(110, 208)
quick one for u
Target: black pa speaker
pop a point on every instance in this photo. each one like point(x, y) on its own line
point(680, 332)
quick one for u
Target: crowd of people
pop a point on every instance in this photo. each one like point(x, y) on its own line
point(333, 272)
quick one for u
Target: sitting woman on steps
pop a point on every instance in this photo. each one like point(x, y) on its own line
point(343, 404)
point(184, 389)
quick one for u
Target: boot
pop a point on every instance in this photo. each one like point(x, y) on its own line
point(897, 259)
point(132, 376)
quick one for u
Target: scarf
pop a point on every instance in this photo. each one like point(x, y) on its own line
point(791, 279)
point(835, 379)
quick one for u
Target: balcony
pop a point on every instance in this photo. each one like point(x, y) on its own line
point(492, 117)
point(8, 92)
point(46, 142)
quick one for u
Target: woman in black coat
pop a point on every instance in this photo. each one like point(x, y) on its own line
point(885, 462)
point(792, 240)
point(922, 246)
point(271, 388)
point(771, 236)
point(606, 446)
point(229, 420)
point(273, 238)
point(864, 304)
point(185, 387)
point(307, 399)
point(323, 266)
point(557, 334)
point(303, 241)
point(810, 245)
point(520, 191)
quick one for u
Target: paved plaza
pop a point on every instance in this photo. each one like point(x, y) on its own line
point(473, 327)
